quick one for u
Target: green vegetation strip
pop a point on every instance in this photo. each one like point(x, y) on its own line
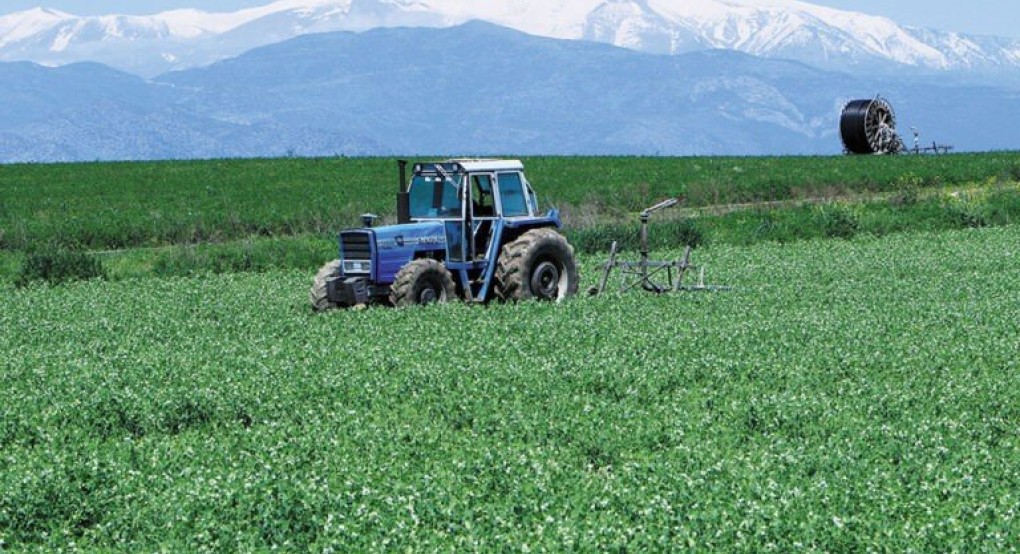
point(102, 206)
point(904, 211)
point(849, 396)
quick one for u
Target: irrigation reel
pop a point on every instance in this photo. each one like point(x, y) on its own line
point(868, 126)
point(646, 274)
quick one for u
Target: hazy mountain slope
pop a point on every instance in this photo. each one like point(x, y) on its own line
point(476, 89)
point(85, 112)
point(482, 89)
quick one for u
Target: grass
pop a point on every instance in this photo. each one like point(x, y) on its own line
point(191, 217)
point(250, 255)
point(120, 205)
point(105, 206)
point(849, 395)
point(995, 205)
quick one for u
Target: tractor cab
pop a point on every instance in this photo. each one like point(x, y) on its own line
point(469, 197)
point(456, 221)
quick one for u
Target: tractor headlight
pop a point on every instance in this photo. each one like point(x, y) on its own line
point(356, 267)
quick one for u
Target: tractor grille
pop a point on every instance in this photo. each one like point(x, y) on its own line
point(357, 245)
point(357, 249)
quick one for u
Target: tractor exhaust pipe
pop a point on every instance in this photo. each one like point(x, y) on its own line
point(403, 196)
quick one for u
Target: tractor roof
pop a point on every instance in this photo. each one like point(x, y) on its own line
point(471, 165)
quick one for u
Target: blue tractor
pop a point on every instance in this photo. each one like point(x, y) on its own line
point(466, 229)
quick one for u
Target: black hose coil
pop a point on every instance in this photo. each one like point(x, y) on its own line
point(869, 127)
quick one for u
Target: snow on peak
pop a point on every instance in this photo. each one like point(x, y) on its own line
point(21, 25)
point(792, 29)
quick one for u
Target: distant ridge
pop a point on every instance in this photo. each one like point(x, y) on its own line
point(475, 89)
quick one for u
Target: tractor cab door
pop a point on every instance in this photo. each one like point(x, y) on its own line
point(469, 240)
point(458, 231)
point(483, 213)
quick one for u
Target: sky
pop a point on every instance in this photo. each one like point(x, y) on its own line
point(987, 17)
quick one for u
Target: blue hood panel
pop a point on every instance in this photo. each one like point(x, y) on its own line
point(397, 244)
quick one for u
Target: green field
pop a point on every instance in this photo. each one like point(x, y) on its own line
point(183, 218)
point(848, 396)
point(109, 206)
point(857, 390)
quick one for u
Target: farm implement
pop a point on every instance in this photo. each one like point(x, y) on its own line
point(471, 230)
point(648, 275)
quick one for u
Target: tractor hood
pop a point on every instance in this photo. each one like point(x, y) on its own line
point(396, 245)
point(427, 235)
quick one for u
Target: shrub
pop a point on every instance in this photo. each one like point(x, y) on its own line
point(57, 265)
point(766, 229)
point(963, 211)
point(1002, 207)
point(908, 190)
point(684, 232)
point(598, 239)
point(837, 221)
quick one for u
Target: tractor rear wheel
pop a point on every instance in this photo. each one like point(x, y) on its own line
point(422, 282)
point(539, 264)
point(317, 295)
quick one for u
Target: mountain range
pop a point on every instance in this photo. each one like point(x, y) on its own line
point(781, 29)
point(473, 89)
point(471, 77)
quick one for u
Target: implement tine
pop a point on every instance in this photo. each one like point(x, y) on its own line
point(682, 269)
point(610, 264)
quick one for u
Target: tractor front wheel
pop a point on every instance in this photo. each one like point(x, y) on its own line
point(539, 264)
point(422, 282)
point(318, 295)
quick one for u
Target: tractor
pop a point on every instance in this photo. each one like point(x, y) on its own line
point(466, 229)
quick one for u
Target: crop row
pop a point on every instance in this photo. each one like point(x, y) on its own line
point(848, 395)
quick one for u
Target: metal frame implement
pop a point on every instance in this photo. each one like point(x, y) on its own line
point(643, 273)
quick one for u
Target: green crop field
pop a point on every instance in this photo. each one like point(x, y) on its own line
point(848, 395)
point(164, 385)
point(104, 206)
point(182, 218)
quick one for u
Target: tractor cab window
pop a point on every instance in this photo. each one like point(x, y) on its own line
point(511, 194)
point(435, 196)
point(483, 201)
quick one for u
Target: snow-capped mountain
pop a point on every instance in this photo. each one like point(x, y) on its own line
point(790, 29)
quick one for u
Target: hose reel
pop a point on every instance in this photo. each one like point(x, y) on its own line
point(869, 127)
